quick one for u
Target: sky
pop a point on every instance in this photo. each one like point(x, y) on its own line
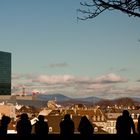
point(53, 52)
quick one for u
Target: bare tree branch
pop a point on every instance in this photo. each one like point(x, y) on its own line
point(96, 7)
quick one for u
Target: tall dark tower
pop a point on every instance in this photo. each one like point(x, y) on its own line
point(5, 73)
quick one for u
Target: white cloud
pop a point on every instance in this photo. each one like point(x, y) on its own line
point(110, 78)
point(70, 85)
point(53, 79)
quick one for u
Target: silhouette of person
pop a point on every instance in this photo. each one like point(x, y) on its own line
point(41, 127)
point(125, 124)
point(85, 127)
point(67, 126)
point(23, 126)
point(4, 124)
point(138, 125)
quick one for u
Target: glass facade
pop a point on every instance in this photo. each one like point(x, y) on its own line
point(5, 73)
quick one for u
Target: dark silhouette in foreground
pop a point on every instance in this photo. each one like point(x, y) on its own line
point(4, 124)
point(85, 127)
point(41, 127)
point(125, 124)
point(67, 126)
point(23, 126)
point(138, 125)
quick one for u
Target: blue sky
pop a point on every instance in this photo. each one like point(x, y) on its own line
point(52, 52)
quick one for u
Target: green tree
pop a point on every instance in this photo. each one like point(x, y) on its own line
point(93, 8)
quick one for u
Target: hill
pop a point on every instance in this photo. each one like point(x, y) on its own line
point(57, 97)
point(125, 101)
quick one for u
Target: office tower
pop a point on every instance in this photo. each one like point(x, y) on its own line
point(5, 73)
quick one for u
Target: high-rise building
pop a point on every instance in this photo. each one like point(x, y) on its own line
point(5, 73)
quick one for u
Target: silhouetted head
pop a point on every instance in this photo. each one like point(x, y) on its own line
point(5, 120)
point(84, 118)
point(67, 117)
point(125, 113)
point(41, 118)
point(24, 116)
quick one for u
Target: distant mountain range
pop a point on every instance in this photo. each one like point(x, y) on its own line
point(91, 99)
point(136, 99)
point(64, 100)
point(41, 100)
point(87, 100)
point(59, 97)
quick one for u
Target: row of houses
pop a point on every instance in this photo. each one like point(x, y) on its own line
point(104, 121)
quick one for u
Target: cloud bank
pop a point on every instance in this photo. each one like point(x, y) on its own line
point(104, 86)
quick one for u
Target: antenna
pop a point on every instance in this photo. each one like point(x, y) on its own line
point(23, 91)
point(93, 101)
point(55, 99)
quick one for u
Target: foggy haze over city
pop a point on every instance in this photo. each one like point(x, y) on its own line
point(53, 52)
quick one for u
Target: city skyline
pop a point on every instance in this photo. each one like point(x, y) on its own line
point(53, 52)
